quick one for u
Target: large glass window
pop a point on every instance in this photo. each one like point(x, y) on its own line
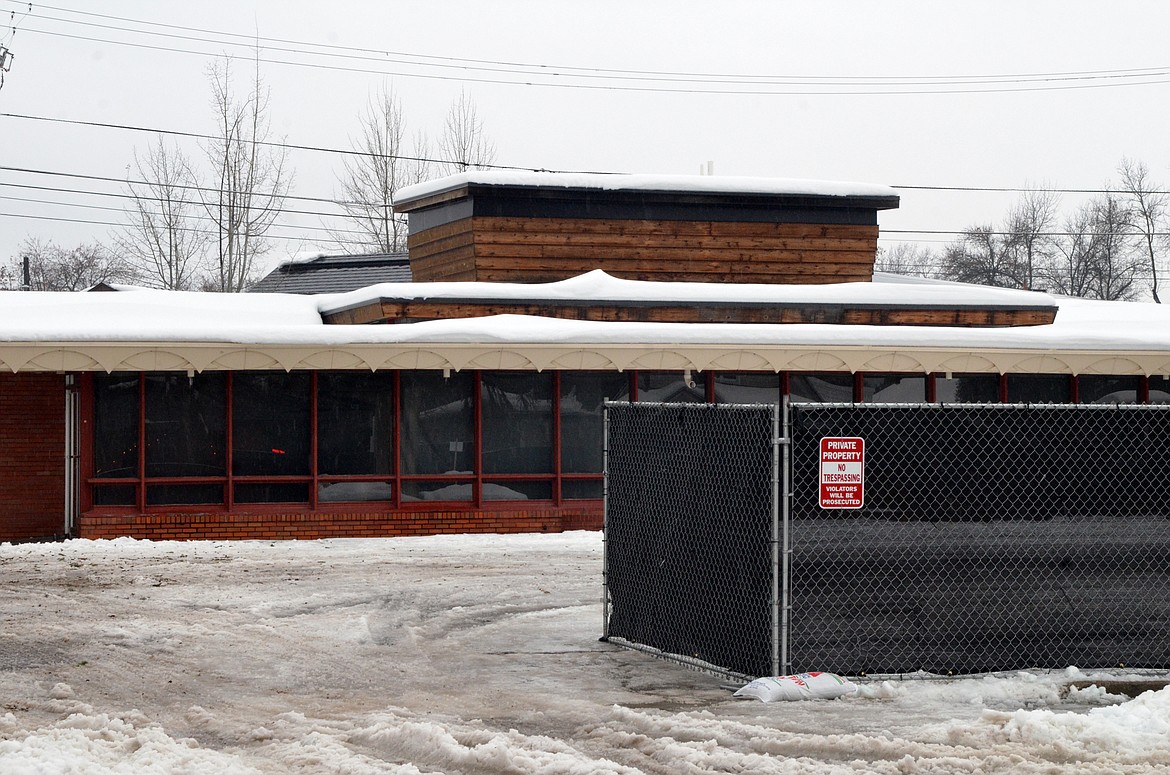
point(1159, 389)
point(270, 425)
point(438, 423)
point(671, 387)
point(967, 389)
point(165, 439)
point(115, 426)
point(186, 428)
point(826, 387)
point(1039, 388)
point(747, 387)
point(517, 422)
point(583, 396)
point(355, 423)
point(1104, 389)
point(894, 388)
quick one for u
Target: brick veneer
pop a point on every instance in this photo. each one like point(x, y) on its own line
point(32, 456)
point(309, 525)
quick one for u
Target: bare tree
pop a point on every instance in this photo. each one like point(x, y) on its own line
point(906, 258)
point(250, 178)
point(1115, 264)
point(1149, 209)
point(1029, 234)
point(982, 256)
point(375, 172)
point(464, 145)
point(1071, 270)
point(164, 239)
point(53, 268)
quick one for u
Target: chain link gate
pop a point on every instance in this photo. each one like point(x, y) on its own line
point(691, 533)
point(989, 537)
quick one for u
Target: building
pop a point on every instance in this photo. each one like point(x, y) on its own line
point(471, 399)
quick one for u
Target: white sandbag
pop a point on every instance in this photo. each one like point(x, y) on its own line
point(805, 686)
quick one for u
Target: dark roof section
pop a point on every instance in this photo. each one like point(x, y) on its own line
point(335, 274)
point(472, 198)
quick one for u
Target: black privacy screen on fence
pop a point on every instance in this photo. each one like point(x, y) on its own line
point(689, 520)
point(989, 537)
point(993, 537)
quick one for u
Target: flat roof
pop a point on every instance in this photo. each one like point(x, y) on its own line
point(168, 330)
point(662, 184)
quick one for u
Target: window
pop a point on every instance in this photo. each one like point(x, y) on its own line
point(1039, 388)
point(670, 387)
point(582, 402)
point(1159, 389)
point(967, 389)
point(115, 433)
point(271, 435)
point(894, 388)
point(115, 429)
point(355, 435)
point(438, 433)
point(186, 425)
point(827, 387)
point(747, 387)
point(1101, 389)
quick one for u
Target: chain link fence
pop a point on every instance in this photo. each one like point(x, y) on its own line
point(989, 537)
point(992, 537)
point(690, 532)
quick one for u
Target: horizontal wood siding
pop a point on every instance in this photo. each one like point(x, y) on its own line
point(391, 311)
point(528, 250)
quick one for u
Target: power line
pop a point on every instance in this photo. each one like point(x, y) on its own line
point(118, 224)
point(597, 73)
point(196, 216)
point(884, 232)
point(266, 143)
point(430, 160)
point(147, 197)
point(1159, 77)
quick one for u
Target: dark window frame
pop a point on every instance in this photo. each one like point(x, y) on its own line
point(556, 480)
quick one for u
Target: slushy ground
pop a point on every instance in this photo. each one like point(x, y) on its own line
point(462, 654)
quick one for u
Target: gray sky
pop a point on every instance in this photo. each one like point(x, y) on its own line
point(948, 94)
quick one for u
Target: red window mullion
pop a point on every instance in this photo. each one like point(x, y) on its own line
point(931, 391)
point(313, 485)
point(477, 440)
point(230, 487)
point(1143, 389)
point(141, 488)
point(396, 441)
point(556, 440)
point(87, 440)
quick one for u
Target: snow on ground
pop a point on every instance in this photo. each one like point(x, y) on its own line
point(457, 654)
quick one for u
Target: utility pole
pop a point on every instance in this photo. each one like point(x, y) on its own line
point(27, 285)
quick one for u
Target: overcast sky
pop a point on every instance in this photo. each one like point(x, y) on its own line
point(947, 94)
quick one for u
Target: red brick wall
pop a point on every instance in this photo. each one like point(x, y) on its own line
point(310, 525)
point(32, 456)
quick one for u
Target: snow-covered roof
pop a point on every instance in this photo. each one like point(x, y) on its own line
point(694, 184)
point(596, 286)
point(161, 330)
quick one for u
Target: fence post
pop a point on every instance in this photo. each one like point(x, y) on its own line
point(777, 651)
point(785, 499)
point(604, 521)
